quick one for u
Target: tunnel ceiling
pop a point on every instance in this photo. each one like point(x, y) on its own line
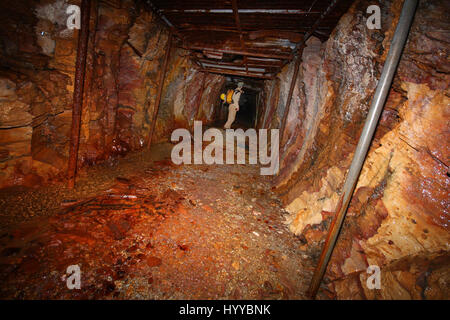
point(250, 38)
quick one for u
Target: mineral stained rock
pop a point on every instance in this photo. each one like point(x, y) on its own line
point(398, 218)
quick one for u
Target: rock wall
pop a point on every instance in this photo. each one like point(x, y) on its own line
point(398, 218)
point(126, 49)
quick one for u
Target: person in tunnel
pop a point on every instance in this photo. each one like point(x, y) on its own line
point(234, 105)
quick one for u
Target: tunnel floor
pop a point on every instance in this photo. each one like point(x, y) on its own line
point(152, 231)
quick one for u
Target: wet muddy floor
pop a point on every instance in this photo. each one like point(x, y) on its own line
point(144, 228)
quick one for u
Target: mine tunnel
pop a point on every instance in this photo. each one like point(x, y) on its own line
point(117, 180)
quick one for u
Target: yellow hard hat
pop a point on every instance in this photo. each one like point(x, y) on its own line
point(222, 96)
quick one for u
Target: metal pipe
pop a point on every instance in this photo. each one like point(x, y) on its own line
point(318, 21)
point(159, 14)
point(160, 89)
point(80, 67)
point(379, 98)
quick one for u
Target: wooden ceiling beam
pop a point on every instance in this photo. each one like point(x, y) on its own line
point(161, 16)
point(188, 28)
point(287, 33)
point(265, 33)
point(257, 64)
point(242, 11)
point(298, 52)
point(261, 70)
point(316, 24)
point(294, 23)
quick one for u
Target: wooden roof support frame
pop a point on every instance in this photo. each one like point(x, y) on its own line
point(190, 17)
point(252, 34)
point(298, 60)
point(275, 11)
point(376, 108)
point(299, 50)
point(278, 56)
point(161, 15)
point(244, 51)
point(266, 67)
point(237, 73)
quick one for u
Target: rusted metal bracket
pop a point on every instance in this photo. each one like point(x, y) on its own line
point(298, 53)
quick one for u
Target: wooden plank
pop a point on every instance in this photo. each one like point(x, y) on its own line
point(267, 68)
point(162, 75)
point(80, 67)
point(285, 33)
